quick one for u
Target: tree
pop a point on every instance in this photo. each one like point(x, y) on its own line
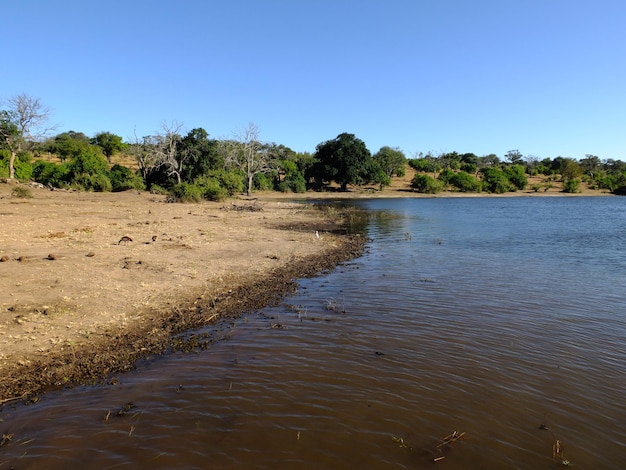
point(246, 153)
point(23, 122)
point(201, 154)
point(570, 169)
point(109, 143)
point(590, 164)
point(345, 160)
point(390, 160)
point(514, 157)
point(145, 154)
point(68, 144)
point(488, 160)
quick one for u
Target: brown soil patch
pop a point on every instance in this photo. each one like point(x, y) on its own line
point(79, 302)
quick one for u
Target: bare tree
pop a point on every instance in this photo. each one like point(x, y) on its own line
point(22, 123)
point(168, 153)
point(146, 156)
point(247, 153)
point(160, 150)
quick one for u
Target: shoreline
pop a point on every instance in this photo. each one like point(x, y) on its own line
point(159, 334)
point(80, 305)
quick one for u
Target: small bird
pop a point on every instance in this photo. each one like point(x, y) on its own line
point(125, 239)
point(317, 235)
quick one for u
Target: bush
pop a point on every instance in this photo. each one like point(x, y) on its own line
point(231, 181)
point(89, 162)
point(446, 175)
point(156, 189)
point(465, 182)
point(495, 181)
point(571, 186)
point(211, 188)
point(21, 192)
point(426, 184)
point(427, 165)
point(186, 192)
point(50, 174)
point(94, 182)
point(123, 179)
point(516, 174)
point(293, 182)
point(261, 182)
point(23, 170)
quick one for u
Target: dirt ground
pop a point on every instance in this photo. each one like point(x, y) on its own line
point(79, 301)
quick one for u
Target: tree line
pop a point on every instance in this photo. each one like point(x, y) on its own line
point(190, 165)
point(468, 172)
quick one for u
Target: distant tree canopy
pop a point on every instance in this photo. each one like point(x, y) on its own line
point(109, 143)
point(345, 160)
point(193, 165)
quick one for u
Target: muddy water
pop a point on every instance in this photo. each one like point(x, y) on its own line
point(484, 316)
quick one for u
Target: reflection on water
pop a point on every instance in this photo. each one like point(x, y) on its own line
point(486, 316)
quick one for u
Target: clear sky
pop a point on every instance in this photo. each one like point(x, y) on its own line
point(547, 77)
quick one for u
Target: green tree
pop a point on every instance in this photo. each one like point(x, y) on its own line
point(68, 145)
point(201, 152)
point(391, 161)
point(91, 161)
point(427, 164)
point(570, 169)
point(345, 160)
point(591, 165)
point(109, 143)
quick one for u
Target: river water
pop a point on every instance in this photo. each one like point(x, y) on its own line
point(484, 316)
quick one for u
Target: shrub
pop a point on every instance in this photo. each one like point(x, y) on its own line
point(123, 178)
point(21, 192)
point(571, 186)
point(446, 175)
point(95, 182)
point(90, 162)
point(23, 170)
point(426, 184)
point(427, 165)
point(156, 189)
point(50, 174)
point(211, 188)
point(465, 182)
point(186, 192)
point(516, 174)
point(293, 182)
point(261, 182)
point(495, 181)
point(469, 167)
point(231, 181)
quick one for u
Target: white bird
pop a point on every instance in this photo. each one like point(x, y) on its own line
point(317, 234)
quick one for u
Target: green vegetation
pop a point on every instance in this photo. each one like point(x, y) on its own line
point(192, 166)
point(426, 184)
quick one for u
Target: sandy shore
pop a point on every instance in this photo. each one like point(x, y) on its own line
point(78, 301)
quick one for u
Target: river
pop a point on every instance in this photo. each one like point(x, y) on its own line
point(497, 322)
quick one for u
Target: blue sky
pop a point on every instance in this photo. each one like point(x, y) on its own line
point(547, 77)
